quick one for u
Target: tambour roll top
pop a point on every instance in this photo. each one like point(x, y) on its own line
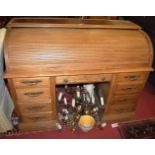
point(67, 46)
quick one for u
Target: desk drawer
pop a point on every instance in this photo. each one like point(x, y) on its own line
point(31, 82)
point(124, 100)
point(125, 89)
point(33, 95)
point(121, 109)
point(131, 77)
point(35, 107)
point(37, 117)
point(38, 126)
point(83, 78)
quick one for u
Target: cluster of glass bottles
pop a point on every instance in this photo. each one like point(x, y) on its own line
point(73, 101)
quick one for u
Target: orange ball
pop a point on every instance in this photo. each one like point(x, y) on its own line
point(86, 122)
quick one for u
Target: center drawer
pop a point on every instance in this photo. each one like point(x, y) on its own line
point(83, 78)
point(33, 95)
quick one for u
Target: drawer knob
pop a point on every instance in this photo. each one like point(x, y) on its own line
point(33, 94)
point(65, 80)
point(103, 78)
point(32, 82)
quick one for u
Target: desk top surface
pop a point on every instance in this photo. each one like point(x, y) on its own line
point(72, 23)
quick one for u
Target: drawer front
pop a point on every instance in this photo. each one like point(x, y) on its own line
point(33, 95)
point(45, 125)
point(127, 89)
point(131, 77)
point(124, 100)
point(83, 78)
point(35, 107)
point(31, 82)
point(121, 109)
point(37, 117)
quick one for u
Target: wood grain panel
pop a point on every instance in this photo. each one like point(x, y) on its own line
point(33, 95)
point(53, 95)
point(83, 78)
point(115, 118)
point(110, 93)
point(34, 107)
point(12, 92)
point(31, 82)
point(70, 50)
point(38, 126)
point(40, 73)
point(115, 109)
point(126, 89)
point(124, 99)
point(131, 77)
point(37, 117)
point(71, 23)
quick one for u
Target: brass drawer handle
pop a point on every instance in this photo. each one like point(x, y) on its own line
point(32, 82)
point(122, 100)
point(121, 110)
point(132, 77)
point(65, 80)
point(128, 89)
point(34, 119)
point(38, 108)
point(103, 78)
point(33, 94)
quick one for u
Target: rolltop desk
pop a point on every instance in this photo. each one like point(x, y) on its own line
point(43, 53)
